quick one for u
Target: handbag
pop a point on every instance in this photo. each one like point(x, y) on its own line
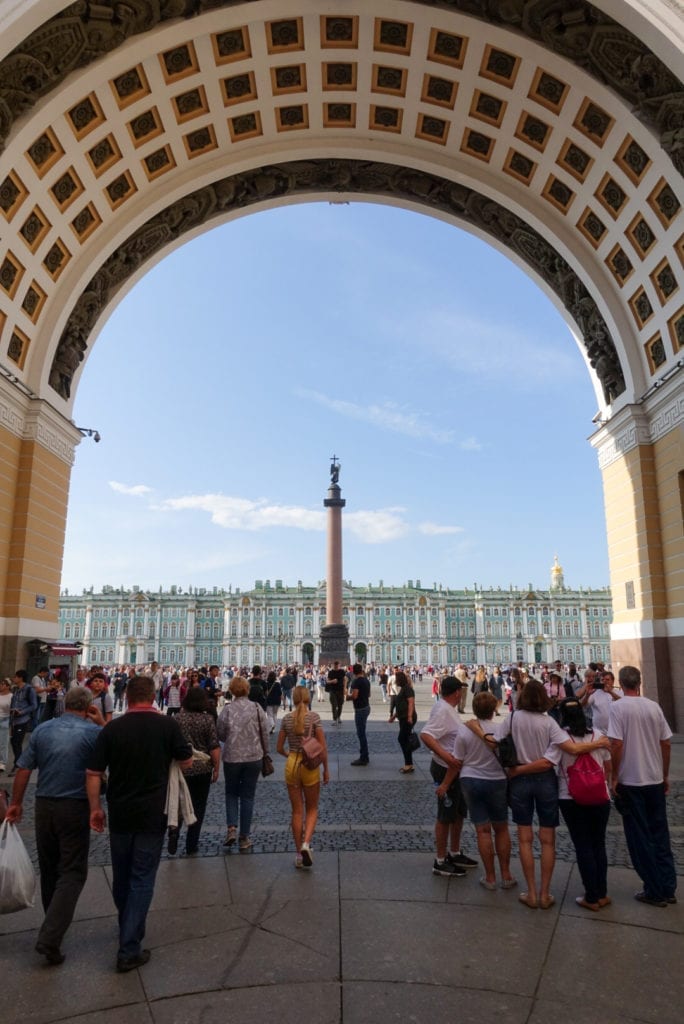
point(413, 741)
point(312, 749)
point(505, 750)
point(587, 781)
point(266, 761)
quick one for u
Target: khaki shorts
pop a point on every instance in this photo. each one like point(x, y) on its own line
point(297, 774)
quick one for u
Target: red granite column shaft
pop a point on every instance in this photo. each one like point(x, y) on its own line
point(333, 608)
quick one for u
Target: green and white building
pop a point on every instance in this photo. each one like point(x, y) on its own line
point(273, 623)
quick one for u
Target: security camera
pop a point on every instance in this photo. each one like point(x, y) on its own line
point(96, 437)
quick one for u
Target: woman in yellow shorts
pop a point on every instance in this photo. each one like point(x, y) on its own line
point(303, 784)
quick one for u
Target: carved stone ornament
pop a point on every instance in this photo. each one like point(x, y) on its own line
point(605, 49)
point(299, 177)
point(335, 644)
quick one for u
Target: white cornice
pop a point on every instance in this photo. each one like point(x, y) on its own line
point(638, 425)
point(35, 420)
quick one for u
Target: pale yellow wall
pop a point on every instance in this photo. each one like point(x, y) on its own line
point(36, 544)
point(634, 535)
point(669, 462)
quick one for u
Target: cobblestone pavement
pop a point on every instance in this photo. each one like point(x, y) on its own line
point(375, 815)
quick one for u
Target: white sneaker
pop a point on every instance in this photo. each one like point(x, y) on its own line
point(307, 859)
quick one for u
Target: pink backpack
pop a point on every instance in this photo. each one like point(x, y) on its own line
point(586, 781)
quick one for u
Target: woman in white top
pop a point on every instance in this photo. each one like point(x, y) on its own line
point(484, 786)
point(5, 700)
point(533, 785)
point(587, 824)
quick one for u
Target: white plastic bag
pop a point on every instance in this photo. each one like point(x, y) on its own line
point(17, 877)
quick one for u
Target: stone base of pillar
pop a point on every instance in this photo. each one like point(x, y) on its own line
point(660, 659)
point(334, 644)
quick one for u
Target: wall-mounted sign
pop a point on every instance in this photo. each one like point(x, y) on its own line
point(41, 601)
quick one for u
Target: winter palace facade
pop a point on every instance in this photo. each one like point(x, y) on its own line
point(273, 623)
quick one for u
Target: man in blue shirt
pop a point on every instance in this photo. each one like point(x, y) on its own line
point(59, 749)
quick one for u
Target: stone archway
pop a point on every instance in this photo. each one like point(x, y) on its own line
point(128, 128)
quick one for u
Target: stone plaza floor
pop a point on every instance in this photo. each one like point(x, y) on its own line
point(367, 936)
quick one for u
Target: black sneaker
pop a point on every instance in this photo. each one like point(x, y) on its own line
point(358, 762)
point(447, 869)
point(52, 954)
point(651, 900)
point(123, 966)
point(461, 861)
point(671, 900)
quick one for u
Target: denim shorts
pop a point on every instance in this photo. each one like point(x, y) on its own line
point(527, 793)
point(487, 800)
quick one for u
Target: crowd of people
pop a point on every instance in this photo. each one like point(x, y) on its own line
point(151, 744)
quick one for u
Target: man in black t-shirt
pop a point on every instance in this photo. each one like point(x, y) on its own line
point(137, 750)
point(337, 690)
point(359, 694)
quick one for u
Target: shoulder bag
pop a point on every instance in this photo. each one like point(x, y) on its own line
point(266, 761)
point(505, 751)
point(312, 749)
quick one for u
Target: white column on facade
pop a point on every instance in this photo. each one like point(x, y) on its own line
point(479, 633)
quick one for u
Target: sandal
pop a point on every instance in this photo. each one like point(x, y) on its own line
point(524, 897)
point(546, 902)
point(582, 902)
point(231, 836)
point(605, 901)
point(509, 883)
point(407, 769)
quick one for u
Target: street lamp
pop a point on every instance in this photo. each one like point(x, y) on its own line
point(90, 432)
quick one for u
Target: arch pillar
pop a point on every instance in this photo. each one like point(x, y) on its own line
point(641, 456)
point(37, 446)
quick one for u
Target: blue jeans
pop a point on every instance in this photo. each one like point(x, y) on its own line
point(360, 719)
point(135, 859)
point(644, 819)
point(4, 740)
point(240, 780)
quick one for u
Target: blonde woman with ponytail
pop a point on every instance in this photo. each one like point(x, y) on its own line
point(303, 784)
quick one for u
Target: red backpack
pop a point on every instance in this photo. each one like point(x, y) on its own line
point(587, 781)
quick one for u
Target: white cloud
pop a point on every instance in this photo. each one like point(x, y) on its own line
point(494, 351)
point(377, 527)
point(137, 490)
point(470, 444)
point(435, 530)
point(389, 416)
point(246, 514)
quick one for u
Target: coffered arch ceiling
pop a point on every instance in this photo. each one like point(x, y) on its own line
point(556, 135)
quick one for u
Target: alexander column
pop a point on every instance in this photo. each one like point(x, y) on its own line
point(334, 635)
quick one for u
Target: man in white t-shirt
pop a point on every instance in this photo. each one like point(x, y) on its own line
point(640, 751)
point(439, 735)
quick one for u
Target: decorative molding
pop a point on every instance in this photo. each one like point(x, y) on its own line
point(12, 409)
point(35, 420)
point(632, 427)
point(595, 42)
point(669, 417)
point(344, 177)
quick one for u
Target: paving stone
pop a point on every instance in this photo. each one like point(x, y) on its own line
point(290, 1003)
point(369, 1003)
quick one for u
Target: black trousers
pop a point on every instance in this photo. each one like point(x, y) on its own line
point(17, 739)
point(62, 841)
point(587, 828)
point(199, 786)
point(405, 730)
point(336, 703)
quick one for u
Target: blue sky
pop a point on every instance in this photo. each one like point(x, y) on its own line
point(446, 382)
